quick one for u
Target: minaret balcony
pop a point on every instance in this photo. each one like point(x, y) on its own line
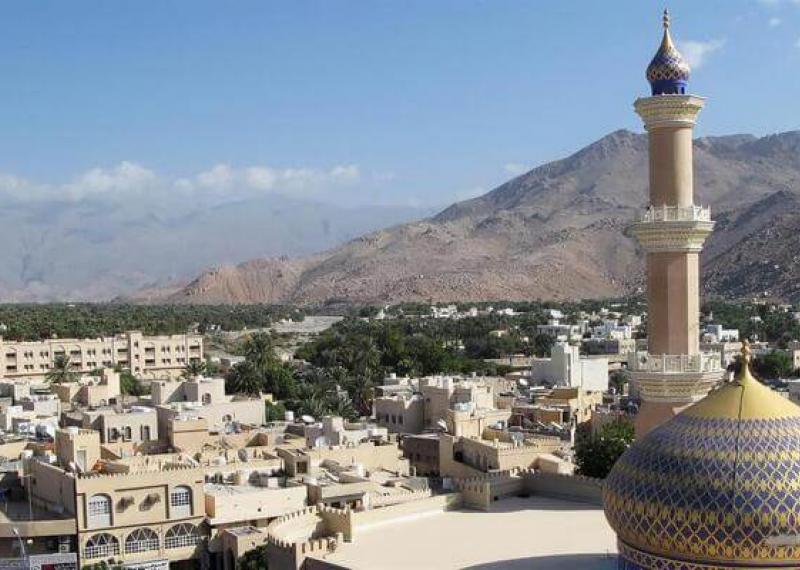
point(675, 363)
point(676, 214)
point(674, 228)
point(675, 378)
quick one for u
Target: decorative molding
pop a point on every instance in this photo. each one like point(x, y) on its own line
point(683, 236)
point(669, 110)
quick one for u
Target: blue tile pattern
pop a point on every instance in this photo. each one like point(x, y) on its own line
point(710, 491)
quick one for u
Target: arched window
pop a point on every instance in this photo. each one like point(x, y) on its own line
point(206, 398)
point(180, 502)
point(141, 540)
point(98, 512)
point(101, 546)
point(181, 535)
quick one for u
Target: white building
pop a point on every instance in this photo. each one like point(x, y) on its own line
point(559, 331)
point(717, 333)
point(567, 368)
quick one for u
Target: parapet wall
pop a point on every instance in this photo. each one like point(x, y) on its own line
point(321, 528)
point(376, 500)
point(480, 492)
point(569, 487)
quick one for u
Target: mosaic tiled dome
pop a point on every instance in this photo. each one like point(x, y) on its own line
point(668, 73)
point(717, 486)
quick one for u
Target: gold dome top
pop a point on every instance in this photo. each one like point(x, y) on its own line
point(718, 484)
point(745, 398)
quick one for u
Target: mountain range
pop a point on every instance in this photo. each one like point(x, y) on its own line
point(108, 245)
point(560, 231)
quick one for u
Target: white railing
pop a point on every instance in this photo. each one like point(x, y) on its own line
point(676, 363)
point(677, 214)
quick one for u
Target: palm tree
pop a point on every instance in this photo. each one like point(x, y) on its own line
point(193, 369)
point(341, 405)
point(243, 378)
point(258, 350)
point(62, 370)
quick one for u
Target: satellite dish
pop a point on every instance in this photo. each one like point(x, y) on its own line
point(307, 419)
point(522, 382)
point(442, 424)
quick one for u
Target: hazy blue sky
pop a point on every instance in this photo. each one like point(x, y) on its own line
point(404, 101)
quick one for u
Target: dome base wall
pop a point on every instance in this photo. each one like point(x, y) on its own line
point(634, 559)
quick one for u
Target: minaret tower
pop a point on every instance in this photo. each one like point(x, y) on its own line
point(673, 373)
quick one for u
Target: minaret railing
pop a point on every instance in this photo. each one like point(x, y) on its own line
point(676, 214)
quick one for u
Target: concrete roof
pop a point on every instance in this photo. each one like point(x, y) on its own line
point(536, 532)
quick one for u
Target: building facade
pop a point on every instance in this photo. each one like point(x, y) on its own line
point(149, 357)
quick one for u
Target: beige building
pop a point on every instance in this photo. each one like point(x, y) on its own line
point(135, 425)
point(150, 514)
point(429, 406)
point(91, 390)
point(150, 357)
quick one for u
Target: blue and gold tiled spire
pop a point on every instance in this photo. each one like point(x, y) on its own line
point(668, 72)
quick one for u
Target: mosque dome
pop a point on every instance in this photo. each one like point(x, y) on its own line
point(717, 486)
point(668, 73)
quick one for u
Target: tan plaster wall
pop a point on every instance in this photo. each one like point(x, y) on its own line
point(673, 303)
point(671, 179)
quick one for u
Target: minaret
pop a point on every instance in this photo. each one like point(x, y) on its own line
point(673, 373)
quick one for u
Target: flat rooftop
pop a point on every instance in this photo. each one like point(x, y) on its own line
point(536, 532)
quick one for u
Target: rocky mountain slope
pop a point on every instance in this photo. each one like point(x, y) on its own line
point(559, 231)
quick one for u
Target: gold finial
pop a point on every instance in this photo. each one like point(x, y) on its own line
point(746, 351)
point(744, 374)
point(665, 19)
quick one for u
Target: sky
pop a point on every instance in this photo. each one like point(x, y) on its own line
point(412, 102)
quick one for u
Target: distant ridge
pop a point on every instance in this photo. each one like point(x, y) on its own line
point(556, 232)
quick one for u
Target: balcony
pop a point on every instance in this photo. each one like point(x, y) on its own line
point(676, 214)
point(676, 363)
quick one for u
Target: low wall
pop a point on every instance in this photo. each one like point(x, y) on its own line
point(376, 500)
point(480, 492)
point(569, 487)
point(312, 530)
point(362, 520)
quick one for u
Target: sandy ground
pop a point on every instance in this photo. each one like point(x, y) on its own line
point(538, 532)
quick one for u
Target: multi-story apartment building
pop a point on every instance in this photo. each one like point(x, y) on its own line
point(149, 357)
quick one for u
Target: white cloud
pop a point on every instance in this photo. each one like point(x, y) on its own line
point(126, 177)
point(696, 53)
point(219, 177)
point(219, 184)
point(261, 177)
point(774, 22)
point(516, 168)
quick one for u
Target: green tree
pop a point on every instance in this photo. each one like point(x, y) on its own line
point(245, 379)
point(542, 345)
point(618, 380)
point(276, 411)
point(258, 349)
point(595, 454)
point(193, 369)
point(255, 559)
point(130, 385)
point(63, 370)
point(775, 364)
